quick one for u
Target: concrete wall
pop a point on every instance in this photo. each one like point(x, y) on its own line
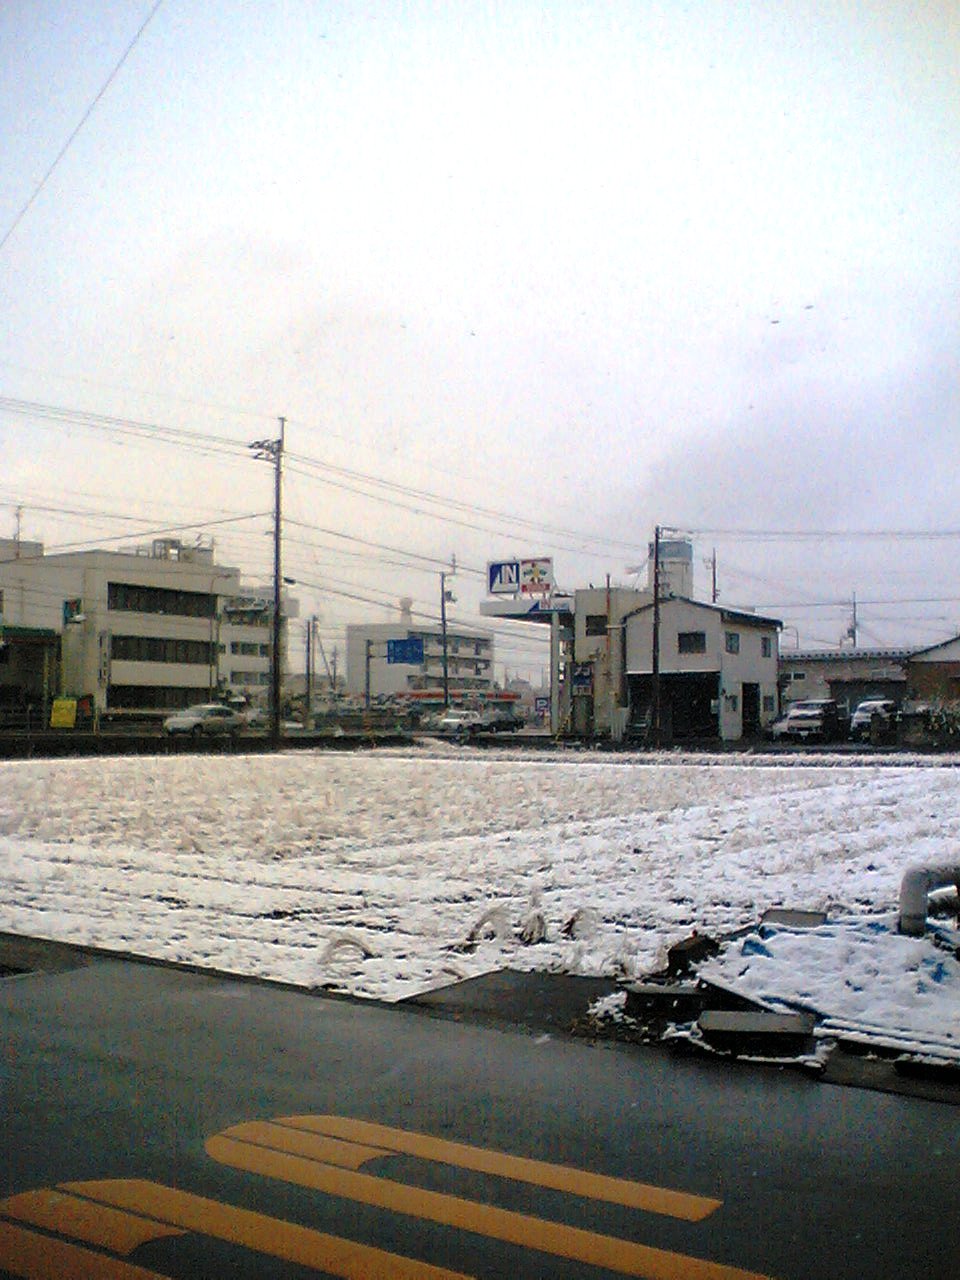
point(593, 602)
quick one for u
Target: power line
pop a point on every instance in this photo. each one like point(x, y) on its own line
point(201, 442)
point(395, 494)
point(84, 545)
point(456, 504)
point(800, 535)
point(844, 602)
point(83, 120)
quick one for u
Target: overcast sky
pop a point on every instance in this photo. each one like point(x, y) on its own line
point(587, 266)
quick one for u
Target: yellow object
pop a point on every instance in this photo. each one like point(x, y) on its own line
point(63, 713)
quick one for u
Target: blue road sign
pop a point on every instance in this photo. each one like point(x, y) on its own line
point(409, 651)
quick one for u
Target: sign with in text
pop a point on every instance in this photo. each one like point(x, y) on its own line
point(532, 576)
point(503, 577)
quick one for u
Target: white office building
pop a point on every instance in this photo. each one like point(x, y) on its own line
point(151, 628)
point(470, 657)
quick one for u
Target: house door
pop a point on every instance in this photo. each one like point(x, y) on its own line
point(751, 708)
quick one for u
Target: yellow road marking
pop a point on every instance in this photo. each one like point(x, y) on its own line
point(92, 1223)
point(558, 1177)
point(555, 1238)
point(34, 1257)
point(348, 1155)
point(257, 1231)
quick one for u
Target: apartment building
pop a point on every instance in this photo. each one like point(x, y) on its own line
point(470, 657)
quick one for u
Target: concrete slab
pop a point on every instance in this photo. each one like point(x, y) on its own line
point(683, 955)
point(664, 1001)
point(794, 919)
point(538, 1001)
point(912, 1080)
point(767, 1034)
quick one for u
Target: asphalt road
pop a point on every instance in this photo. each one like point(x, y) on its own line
point(160, 1122)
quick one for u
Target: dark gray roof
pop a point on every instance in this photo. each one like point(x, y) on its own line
point(845, 655)
point(732, 615)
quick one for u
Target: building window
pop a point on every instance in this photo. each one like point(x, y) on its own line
point(161, 649)
point(769, 702)
point(732, 641)
point(692, 642)
point(596, 624)
point(798, 675)
point(766, 646)
point(153, 696)
point(247, 649)
point(127, 597)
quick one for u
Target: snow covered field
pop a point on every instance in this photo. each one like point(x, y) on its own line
point(385, 873)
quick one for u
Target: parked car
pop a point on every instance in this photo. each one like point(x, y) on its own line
point(459, 723)
point(204, 720)
point(500, 720)
point(861, 722)
point(817, 719)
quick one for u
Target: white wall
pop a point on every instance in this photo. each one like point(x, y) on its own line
point(749, 666)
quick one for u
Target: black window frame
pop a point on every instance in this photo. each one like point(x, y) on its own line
point(691, 642)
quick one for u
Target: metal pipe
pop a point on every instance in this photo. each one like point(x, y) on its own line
point(917, 883)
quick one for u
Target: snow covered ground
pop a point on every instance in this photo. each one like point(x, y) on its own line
point(384, 873)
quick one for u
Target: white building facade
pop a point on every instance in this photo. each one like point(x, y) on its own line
point(140, 629)
point(701, 670)
point(717, 669)
point(470, 657)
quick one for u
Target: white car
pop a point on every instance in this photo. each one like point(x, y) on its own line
point(861, 722)
point(204, 720)
point(458, 722)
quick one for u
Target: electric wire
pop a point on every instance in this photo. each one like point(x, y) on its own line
point(18, 218)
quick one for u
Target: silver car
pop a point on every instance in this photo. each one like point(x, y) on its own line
point(204, 720)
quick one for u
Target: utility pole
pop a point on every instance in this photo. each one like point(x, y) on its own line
point(714, 576)
point(655, 665)
point(446, 595)
point(272, 451)
point(309, 672)
point(852, 632)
